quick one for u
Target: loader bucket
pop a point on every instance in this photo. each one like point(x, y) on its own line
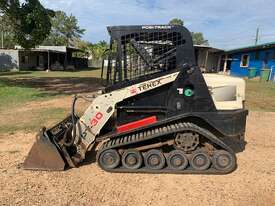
point(44, 155)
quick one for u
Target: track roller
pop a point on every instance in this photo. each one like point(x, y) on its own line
point(177, 160)
point(200, 160)
point(154, 159)
point(132, 159)
point(109, 159)
point(223, 160)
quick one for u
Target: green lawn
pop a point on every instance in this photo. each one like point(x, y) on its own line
point(14, 116)
point(92, 72)
point(32, 121)
point(13, 95)
point(17, 88)
point(260, 96)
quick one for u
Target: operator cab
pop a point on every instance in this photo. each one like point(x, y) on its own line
point(139, 53)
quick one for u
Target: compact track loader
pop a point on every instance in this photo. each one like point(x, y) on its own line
point(158, 113)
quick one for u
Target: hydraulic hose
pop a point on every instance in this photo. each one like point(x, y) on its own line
point(70, 143)
point(73, 116)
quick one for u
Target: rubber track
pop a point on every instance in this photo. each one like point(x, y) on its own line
point(140, 136)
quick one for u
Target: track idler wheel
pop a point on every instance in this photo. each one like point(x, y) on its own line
point(109, 159)
point(223, 160)
point(177, 160)
point(200, 161)
point(132, 159)
point(154, 159)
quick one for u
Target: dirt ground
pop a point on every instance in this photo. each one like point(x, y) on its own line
point(253, 183)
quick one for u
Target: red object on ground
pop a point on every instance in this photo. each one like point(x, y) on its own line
point(136, 124)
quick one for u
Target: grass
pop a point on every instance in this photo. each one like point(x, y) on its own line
point(32, 121)
point(17, 88)
point(12, 95)
point(260, 96)
point(91, 72)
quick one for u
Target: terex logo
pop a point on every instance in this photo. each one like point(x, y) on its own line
point(149, 85)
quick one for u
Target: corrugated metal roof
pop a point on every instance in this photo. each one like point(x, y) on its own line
point(252, 47)
point(58, 49)
point(213, 49)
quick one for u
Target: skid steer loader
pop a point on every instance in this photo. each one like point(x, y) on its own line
point(156, 114)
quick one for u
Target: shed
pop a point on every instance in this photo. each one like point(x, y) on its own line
point(41, 58)
point(258, 57)
point(208, 58)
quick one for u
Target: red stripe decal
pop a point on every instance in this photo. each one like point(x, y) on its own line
point(136, 124)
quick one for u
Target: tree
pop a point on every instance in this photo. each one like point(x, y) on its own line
point(99, 49)
point(197, 37)
point(30, 21)
point(176, 21)
point(7, 32)
point(85, 47)
point(65, 30)
point(95, 50)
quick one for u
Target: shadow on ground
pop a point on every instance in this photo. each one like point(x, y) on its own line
point(56, 85)
point(14, 73)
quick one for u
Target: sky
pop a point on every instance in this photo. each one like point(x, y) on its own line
point(226, 24)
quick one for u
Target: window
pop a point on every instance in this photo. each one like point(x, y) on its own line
point(266, 57)
point(245, 60)
point(25, 59)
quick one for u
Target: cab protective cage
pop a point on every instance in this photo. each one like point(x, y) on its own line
point(137, 51)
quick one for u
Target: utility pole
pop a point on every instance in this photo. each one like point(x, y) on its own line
point(2, 30)
point(257, 36)
point(2, 39)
